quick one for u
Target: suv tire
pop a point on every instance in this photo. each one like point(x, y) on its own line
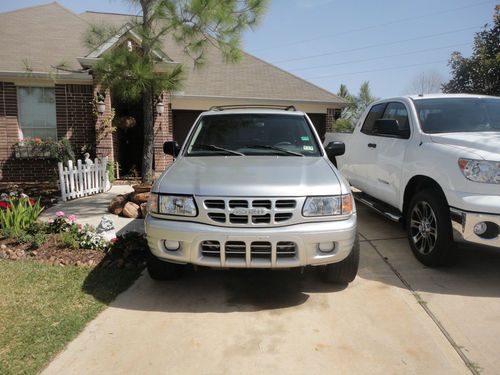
point(344, 271)
point(429, 229)
point(161, 270)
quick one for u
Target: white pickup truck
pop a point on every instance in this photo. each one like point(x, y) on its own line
point(433, 163)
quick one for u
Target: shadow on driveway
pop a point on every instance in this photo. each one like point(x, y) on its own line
point(221, 291)
point(476, 272)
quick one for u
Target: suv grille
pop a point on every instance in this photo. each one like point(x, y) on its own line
point(259, 250)
point(249, 212)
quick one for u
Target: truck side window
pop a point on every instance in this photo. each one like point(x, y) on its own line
point(375, 113)
point(397, 111)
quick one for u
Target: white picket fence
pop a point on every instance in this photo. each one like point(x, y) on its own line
point(86, 178)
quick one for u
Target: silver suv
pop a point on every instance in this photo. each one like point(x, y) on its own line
point(252, 188)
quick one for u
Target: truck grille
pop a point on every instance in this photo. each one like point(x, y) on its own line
point(249, 212)
point(258, 250)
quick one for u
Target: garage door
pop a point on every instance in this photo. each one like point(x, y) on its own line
point(319, 121)
point(183, 121)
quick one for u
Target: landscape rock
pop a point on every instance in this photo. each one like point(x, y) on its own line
point(142, 188)
point(3, 246)
point(139, 198)
point(131, 210)
point(117, 204)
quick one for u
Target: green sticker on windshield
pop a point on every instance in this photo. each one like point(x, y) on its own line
point(308, 148)
point(304, 138)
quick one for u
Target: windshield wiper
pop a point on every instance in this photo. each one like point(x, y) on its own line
point(275, 148)
point(217, 148)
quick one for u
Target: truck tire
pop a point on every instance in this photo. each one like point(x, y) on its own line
point(428, 227)
point(344, 271)
point(161, 270)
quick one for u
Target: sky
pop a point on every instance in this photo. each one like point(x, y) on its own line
point(329, 42)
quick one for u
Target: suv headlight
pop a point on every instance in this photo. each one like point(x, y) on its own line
point(480, 170)
point(172, 205)
point(328, 206)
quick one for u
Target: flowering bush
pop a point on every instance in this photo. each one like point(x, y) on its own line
point(75, 235)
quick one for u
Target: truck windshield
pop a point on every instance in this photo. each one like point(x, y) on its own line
point(452, 115)
point(251, 134)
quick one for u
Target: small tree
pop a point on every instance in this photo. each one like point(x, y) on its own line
point(194, 24)
point(355, 108)
point(480, 73)
point(426, 83)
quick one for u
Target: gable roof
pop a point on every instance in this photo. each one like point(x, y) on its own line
point(48, 35)
point(41, 37)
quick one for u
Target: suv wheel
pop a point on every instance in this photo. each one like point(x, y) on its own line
point(429, 230)
point(344, 271)
point(161, 270)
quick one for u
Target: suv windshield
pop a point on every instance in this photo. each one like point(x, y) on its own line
point(451, 115)
point(253, 134)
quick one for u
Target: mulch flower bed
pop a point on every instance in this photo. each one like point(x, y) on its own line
point(127, 251)
point(51, 253)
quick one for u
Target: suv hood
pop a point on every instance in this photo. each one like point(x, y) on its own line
point(484, 144)
point(267, 176)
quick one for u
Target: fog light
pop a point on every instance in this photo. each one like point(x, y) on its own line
point(480, 228)
point(172, 245)
point(326, 247)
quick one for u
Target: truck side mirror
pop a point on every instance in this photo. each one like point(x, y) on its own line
point(171, 148)
point(388, 127)
point(333, 149)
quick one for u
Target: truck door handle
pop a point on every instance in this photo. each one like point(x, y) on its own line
point(372, 145)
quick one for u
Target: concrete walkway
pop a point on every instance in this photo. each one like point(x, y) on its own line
point(90, 210)
point(396, 317)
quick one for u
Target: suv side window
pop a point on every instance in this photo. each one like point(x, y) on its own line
point(397, 111)
point(375, 113)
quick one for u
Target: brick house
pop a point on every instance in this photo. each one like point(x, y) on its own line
point(47, 90)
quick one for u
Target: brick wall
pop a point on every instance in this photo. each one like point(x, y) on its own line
point(104, 140)
point(74, 115)
point(163, 129)
point(74, 121)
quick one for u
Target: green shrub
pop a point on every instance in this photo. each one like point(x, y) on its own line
point(19, 216)
point(110, 167)
point(67, 240)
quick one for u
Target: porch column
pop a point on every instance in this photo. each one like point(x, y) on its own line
point(163, 132)
point(104, 138)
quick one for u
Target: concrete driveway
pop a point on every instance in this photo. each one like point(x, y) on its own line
point(396, 317)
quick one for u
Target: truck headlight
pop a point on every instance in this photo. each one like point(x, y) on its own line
point(480, 170)
point(177, 205)
point(328, 206)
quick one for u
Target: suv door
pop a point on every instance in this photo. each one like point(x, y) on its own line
point(390, 154)
point(362, 154)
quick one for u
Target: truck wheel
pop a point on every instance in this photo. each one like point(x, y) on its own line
point(429, 230)
point(161, 270)
point(344, 271)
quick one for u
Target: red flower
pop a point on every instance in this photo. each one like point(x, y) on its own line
point(4, 205)
point(31, 201)
point(114, 240)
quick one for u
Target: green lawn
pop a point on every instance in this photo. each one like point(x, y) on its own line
point(42, 308)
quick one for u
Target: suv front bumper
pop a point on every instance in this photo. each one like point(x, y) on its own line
point(250, 242)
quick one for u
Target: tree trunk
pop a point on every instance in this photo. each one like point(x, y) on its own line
point(148, 153)
point(147, 97)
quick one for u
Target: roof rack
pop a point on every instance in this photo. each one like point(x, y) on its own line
point(253, 106)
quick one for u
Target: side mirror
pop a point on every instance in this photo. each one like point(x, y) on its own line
point(388, 127)
point(333, 149)
point(171, 148)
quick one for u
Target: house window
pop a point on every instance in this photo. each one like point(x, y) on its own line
point(37, 112)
